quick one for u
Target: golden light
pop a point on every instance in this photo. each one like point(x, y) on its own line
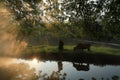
point(34, 61)
point(8, 34)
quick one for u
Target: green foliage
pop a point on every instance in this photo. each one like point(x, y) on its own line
point(111, 19)
point(95, 20)
point(26, 13)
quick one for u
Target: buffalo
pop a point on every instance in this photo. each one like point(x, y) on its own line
point(82, 46)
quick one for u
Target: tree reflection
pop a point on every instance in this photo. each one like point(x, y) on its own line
point(23, 71)
point(115, 77)
point(16, 71)
point(55, 75)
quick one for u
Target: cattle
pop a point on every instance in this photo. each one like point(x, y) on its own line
point(81, 66)
point(82, 46)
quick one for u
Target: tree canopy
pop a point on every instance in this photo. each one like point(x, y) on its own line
point(89, 19)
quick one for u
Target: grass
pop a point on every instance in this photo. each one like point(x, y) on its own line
point(69, 49)
point(41, 49)
point(105, 50)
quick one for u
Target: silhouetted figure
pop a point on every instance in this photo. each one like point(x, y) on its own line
point(60, 66)
point(82, 46)
point(60, 46)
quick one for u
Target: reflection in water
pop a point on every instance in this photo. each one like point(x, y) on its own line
point(54, 76)
point(17, 72)
point(60, 66)
point(20, 69)
point(81, 66)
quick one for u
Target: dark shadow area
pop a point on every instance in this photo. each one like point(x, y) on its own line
point(79, 57)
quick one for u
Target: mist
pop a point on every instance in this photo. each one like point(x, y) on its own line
point(9, 45)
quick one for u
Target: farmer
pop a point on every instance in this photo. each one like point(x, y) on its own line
point(60, 46)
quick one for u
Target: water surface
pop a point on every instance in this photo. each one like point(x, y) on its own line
point(36, 69)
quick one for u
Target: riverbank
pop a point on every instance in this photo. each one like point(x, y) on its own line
point(98, 55)
point(95, 49)
point(102, 55)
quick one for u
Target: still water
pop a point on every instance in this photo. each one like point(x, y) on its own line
point(34, 69)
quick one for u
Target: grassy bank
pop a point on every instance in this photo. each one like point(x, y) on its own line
point(69, 49)
point(106, 50)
